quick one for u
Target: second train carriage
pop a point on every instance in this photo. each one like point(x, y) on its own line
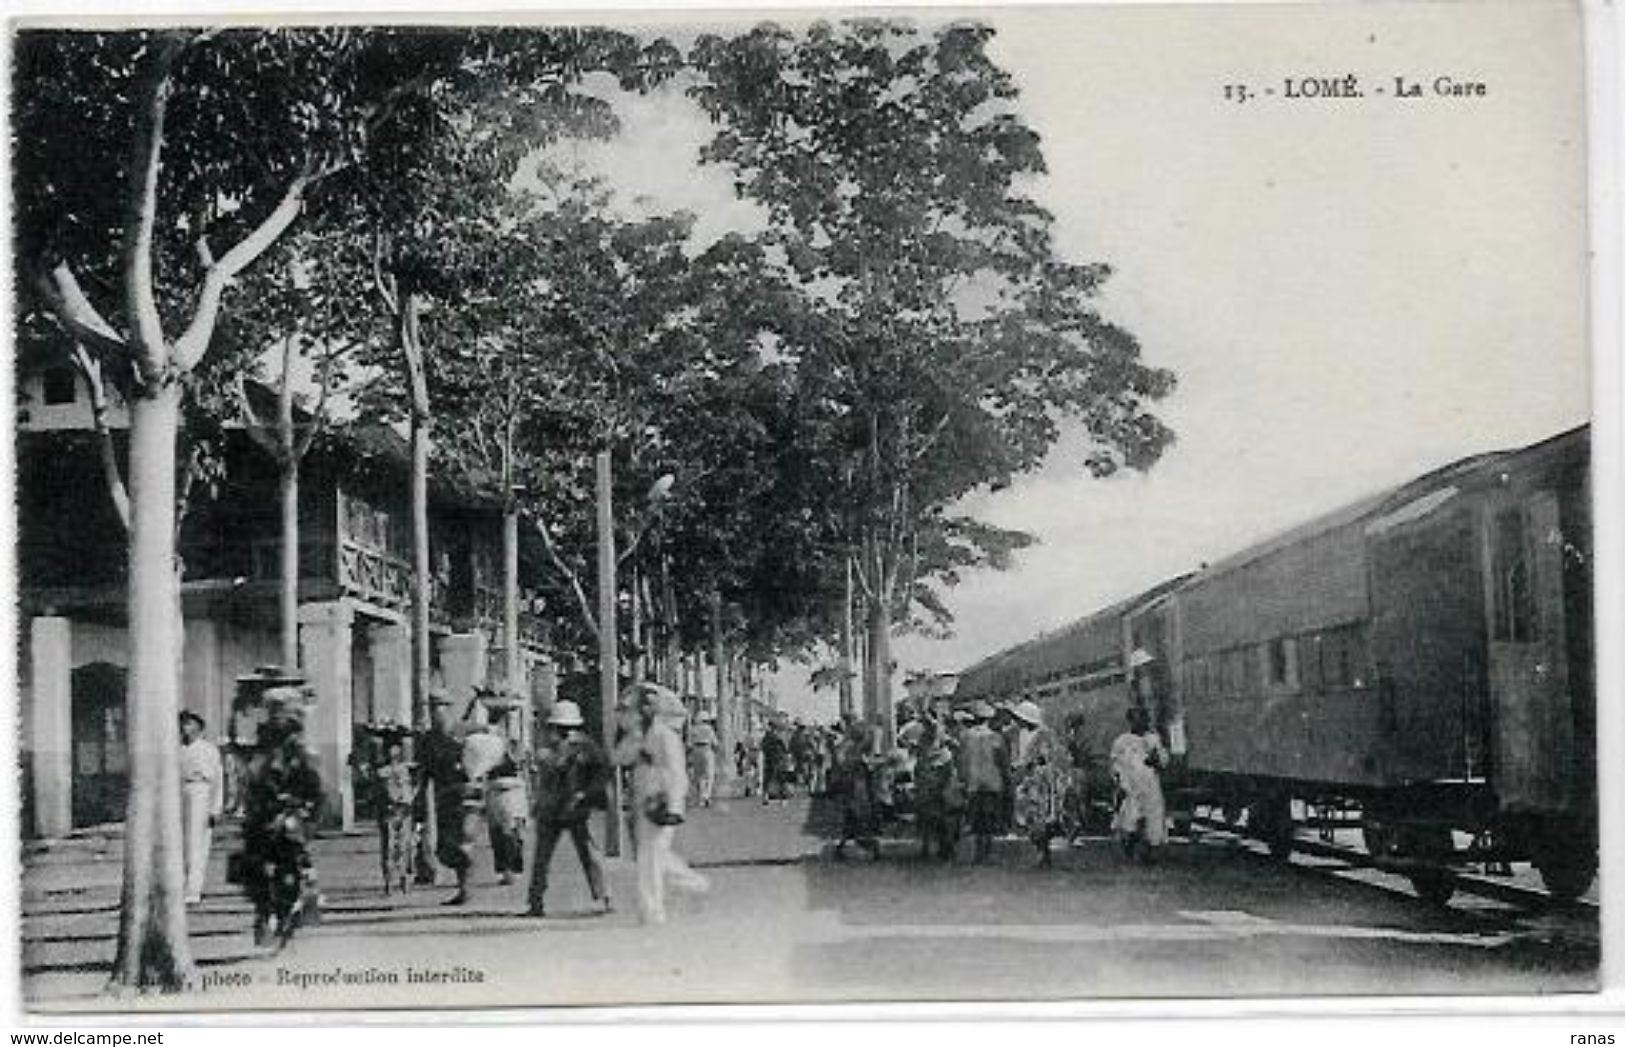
point(1424, 656)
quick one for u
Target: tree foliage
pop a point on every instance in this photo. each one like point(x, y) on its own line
point(944, 342)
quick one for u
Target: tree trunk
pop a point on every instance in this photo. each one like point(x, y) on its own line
point(153, 948)
point(513, 664)
point(406, 336)
point(671, 648)
point(288, 590)
point(720, 662)
point(635, 661)
point(880, 669)
point(847, 705)
point(422, 572)
point(608, 656)
point(866, 675)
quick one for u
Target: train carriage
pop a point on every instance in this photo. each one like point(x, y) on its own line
point(1423, 657)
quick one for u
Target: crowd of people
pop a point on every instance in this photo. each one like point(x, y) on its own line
point(987, 771)
point(979, 770)
point(437, 793)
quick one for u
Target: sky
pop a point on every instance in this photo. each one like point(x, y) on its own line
point(1350, 291)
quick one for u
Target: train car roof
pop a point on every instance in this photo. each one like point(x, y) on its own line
point(1071, 629)
point(1474, 468)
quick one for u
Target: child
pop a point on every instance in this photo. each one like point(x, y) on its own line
point(396, 827)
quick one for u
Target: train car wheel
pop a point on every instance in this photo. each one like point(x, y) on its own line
point(1380, 838)
point(1436, 886)
point(1271, 823)
point(1428, 843)
point(1567, 873)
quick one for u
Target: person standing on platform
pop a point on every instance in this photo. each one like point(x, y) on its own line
point(702, 748)
point(1043, 779)
point(659, 794)
point(492, 772)
point(442, 758)
point(939, 794)
point(397, 795)
point(984, 769)
point(1138, 756)
point(775, 764)
point(282, 798)
point(855, 773)
point(203, 799)
point(572, 781)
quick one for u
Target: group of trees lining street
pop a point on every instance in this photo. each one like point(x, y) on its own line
point(376, 210)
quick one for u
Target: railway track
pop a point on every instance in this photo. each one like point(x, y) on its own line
point(1496, 888)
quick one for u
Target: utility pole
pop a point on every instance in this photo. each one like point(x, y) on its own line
point(608, 656)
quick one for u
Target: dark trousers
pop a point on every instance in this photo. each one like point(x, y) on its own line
point(547, 838)
point(507, 847)
point(456, 824)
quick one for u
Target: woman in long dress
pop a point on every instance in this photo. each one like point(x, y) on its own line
point(1138, 756)
point(1043, 777)
point(660, 794)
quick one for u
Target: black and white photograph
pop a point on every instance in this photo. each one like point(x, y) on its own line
point(812, 506)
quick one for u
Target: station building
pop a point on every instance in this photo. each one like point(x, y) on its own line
point(355, 590)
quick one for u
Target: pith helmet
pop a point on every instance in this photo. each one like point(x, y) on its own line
point(565, 714)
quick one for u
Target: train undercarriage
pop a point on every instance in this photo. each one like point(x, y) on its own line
point(1426, 832)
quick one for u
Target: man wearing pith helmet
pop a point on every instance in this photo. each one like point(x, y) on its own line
point(572, 782)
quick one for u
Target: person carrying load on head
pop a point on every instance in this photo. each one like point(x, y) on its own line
point(491, 758)
point(441, 753)
point(282, 797)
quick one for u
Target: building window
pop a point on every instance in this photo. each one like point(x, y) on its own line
point(61, 386)
point(1514, 584)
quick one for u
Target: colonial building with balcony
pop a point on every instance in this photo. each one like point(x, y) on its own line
point(355, 585)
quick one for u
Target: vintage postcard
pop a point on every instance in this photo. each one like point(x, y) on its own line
point(941, 504)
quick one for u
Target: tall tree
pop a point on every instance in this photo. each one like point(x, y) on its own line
point(946, 341)
point(433, 199)
point(297, 311)
point(158, 227)
point(159, 166)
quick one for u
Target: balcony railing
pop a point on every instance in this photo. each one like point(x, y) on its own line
point(375, 576)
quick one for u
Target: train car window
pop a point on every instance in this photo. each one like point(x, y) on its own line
point(1342, 658)
point(1514, 587)
point(1281, 663)
point(1235, 663)
point(1309, 677)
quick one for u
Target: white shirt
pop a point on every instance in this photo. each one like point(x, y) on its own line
point(200, 765)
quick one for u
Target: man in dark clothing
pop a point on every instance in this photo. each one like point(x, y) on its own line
point(282, 795)
point(441, 754)
point(775, 765)
point(572, 778)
